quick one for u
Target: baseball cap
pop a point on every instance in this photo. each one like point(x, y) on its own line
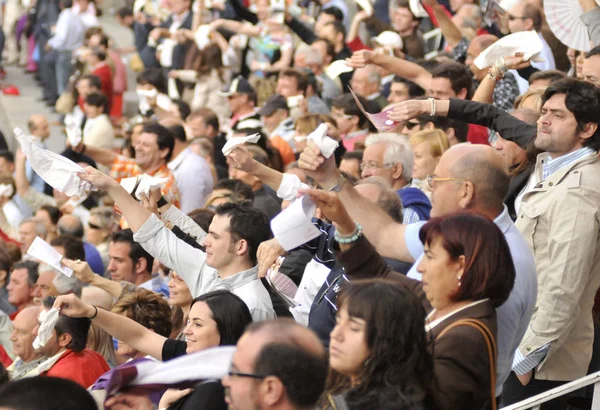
point(273, 103)
point(389, 39)
point(238, 85)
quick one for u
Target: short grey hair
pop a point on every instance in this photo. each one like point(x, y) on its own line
point(397, 151)
point(388, 199)
point(65, 285)
point(311, 55)
point(374, 76)
point(40, 228)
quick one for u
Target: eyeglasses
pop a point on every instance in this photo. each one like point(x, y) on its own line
point(372, 165)
point(433, 180)
point(511, 17)
point(249, 375)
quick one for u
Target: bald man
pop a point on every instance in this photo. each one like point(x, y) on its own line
point(22, 343)
point(467, 178)
point(293, 360)
point(507, 88)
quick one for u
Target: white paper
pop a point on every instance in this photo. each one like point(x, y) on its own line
point(526, 42)
point(213, 363)
point(293, 226)
point(336, 68)
point(234, 142)
point(295, 101)
point(326, 144)
point(417, 9)
point(58, 171)
point(201, 37)
point(6, 190)
point(47, 320)
point(74, 134)
point(172, 89)
point(147, 184)
point(366, 6)
point(42, 251)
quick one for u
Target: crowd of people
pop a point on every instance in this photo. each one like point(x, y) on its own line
point(449, 255)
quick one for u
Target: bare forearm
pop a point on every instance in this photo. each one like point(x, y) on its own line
point(135, 214)
point(451, 33)
point(485, 91)
point(404, 69)
point(100, 155)
point(110, 286)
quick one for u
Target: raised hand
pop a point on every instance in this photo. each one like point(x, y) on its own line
point(331, 206)
point(82, 270)
point(407, 110)
point(72, 306)
point(98, 179)
point(360, 59)
point(321, 169)
point(267, 255)
point(240, 158)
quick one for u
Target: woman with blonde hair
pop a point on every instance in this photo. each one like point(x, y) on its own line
point(532, 100)
point(428, 147)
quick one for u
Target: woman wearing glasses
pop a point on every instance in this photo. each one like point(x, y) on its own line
point(215, 319)
point(378, 354)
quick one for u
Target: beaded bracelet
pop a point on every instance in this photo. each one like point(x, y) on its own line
point(347, 239)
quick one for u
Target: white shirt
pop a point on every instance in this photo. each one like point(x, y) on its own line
point(69, 31)
point(313, 278)
point(514, 315)
point(193, 177)
point(190, 264)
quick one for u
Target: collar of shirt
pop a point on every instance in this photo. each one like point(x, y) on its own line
point(242, 278)
point(355, 134)
point(373, 96)
point(430, 326)
point(387, 79)
point(550, 165)
point(178, 160)
point(179, 19)
point(51, 361)
point(503, 220)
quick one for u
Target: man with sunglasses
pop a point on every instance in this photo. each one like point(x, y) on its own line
point(277, 365)
point(242, 101)
point(467, 177)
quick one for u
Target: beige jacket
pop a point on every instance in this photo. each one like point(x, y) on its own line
point(560, 220)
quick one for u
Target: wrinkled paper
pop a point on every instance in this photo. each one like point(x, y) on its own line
point(293, 226)
point(147, 184)
point(58, 171)
point(326, 144)
point(48, 319)
point(234, 142)
point(42, 251)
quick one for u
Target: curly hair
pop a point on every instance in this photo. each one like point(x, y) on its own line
point(147, 308)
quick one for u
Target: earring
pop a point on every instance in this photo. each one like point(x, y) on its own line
point(459, 282)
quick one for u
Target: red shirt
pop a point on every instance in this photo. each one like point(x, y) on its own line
point(102, 71)
point(83, 368)
point(4, 357)
point(478, 134)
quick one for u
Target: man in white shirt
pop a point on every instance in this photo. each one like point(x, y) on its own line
point(68, 37)
point(192, 173)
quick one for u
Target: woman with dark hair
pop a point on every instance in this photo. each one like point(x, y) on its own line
point(216, 318)
point(468, 271)
point(209, 77)
point(378, 355)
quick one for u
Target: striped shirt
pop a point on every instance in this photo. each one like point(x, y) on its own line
point(549, 165)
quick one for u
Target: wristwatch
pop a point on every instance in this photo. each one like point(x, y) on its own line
point(338, 185)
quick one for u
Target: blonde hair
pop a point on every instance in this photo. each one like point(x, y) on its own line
point(306, 124)
point(102, 343)
point(437, 140)
point(535, 93)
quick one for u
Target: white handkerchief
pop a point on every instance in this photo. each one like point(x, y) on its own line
point(41, 250)
point(74, 135)
point(366, 6)
point(326, 144)
point(6, 190)
point(526, 42)
point(293, 226)
point(336, 68)
point(48, 320)
point(146, 184)
point(58, 171)
point(201, 36)
point(234, 142)
point(417, 9)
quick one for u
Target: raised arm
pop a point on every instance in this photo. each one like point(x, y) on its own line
point(402, 68)
point(100, 155)
point(451, 33)
point(236, 27)
point(591, 18)
point(84, 273)
point(386, 235)
point(120, 327)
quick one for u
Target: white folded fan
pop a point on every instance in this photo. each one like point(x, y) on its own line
point(58, 171)
point(564, 19)
point(526, 42)
point(336, 68)
point(145, 183)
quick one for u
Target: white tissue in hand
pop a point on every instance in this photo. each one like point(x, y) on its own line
point(58, 171)
point(147, 184)
point(48, 320)
point(326, 144)
point(526, 42)
point(234, 142)
point(336, 68)
point(6, 190)
point(201, 37)
point(74, 135)
point(293, 226)
point(42, 251)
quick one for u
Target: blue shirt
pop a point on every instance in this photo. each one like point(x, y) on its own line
point(514, 315)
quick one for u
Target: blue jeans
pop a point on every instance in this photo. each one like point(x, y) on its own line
point(63, 70)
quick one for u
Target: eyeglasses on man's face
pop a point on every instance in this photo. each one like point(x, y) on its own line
point(373, 165)
point(432, 180)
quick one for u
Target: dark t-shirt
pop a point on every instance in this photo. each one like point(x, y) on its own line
point(173, 348)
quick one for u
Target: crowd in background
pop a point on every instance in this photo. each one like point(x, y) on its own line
point(456, 256)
